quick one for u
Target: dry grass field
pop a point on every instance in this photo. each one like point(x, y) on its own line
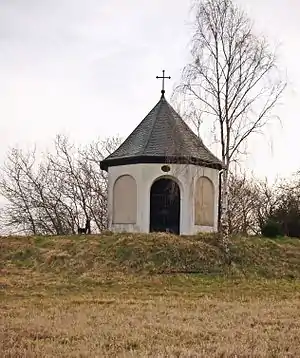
point(121, 296)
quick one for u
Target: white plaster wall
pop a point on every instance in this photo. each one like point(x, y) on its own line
point(185, 175)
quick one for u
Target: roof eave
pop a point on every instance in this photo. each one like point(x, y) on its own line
point(106, 163)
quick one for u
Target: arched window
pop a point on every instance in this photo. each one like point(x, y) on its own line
point(125, 200)
point(204, 202)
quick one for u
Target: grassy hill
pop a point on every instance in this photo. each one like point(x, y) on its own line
point(148, 296)
point(151, 254)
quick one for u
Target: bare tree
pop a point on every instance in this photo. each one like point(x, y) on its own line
point(96, 178)
point(243, 197)
point(252, 202)
point(233, 78)
point(266, 202)
point(33, 195)
point(86, 186)
point(58, 193)
point(15, 187)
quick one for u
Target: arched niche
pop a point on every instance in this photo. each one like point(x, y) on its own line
point(125, 200)
point(204, 202)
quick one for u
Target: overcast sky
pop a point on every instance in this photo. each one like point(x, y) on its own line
point(87, 69)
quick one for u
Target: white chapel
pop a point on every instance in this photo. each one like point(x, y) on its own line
point(162, 178)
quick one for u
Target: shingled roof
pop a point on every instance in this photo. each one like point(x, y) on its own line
point(162, 137)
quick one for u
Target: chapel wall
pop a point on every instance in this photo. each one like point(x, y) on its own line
point(192, 218)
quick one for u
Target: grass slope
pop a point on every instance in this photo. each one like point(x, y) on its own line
point(152, 253)
point(94, 297)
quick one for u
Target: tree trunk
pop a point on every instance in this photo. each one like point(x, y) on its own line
point(224, 234)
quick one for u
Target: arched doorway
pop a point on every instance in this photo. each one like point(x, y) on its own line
point(165, 206)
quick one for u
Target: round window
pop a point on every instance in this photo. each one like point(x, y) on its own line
point(165, 168)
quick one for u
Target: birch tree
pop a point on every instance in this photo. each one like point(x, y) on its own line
point(233, 80)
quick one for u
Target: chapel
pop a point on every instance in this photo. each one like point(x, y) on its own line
point(163, 178)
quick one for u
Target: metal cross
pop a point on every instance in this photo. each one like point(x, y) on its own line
point(163, 81)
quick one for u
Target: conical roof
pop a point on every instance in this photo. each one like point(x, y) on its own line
point(162, 137)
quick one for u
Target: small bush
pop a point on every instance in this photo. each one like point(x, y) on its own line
point(271, 229)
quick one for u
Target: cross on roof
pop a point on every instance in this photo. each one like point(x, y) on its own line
point(163, 81)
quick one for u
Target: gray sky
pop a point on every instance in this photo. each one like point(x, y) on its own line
point(87, 69)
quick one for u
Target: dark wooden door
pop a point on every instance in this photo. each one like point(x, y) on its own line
point(165, 206)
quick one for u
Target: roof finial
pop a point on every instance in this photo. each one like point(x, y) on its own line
point(163, 82)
